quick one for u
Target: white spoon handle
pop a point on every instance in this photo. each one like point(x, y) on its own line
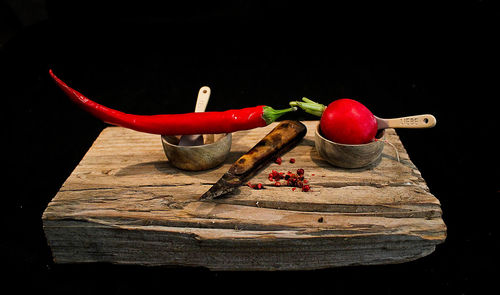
point(201, 105)
point(417, 121)
point(202, 100)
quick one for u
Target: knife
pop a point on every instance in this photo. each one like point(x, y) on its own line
point(286, 135)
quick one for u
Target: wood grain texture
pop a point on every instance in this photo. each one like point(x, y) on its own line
point(124, 203)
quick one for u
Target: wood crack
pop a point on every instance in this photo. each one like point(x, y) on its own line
point(370, 184)
point(126, 187)
point(422, 210)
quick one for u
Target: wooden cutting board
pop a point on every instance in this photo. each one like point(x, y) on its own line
point(124, 203)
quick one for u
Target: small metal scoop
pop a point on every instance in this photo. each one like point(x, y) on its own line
point(201, 105)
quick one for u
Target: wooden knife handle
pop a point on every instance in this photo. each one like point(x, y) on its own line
point(280, 140)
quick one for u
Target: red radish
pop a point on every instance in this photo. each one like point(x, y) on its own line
point(344, 121)
point(348, 121)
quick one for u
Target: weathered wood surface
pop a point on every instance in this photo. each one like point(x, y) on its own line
point(124, 203)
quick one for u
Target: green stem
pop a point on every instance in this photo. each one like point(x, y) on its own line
point(270, 115)
point(309, 106)
point(308, 100)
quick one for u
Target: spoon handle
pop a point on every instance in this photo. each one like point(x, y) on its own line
point(417, 121)
point(202, 100)
point(201, 105)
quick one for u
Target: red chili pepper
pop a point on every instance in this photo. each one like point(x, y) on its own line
point(178, 124)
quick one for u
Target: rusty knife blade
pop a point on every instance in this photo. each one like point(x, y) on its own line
point(226, 184)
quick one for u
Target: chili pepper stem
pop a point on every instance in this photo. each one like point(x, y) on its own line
point(309, 106)
point(270, 115)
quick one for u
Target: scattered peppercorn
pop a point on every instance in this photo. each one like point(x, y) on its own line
point(295, 180)
point(275, 175)
point(320, 220)
point(278, 160)
point(255, 186)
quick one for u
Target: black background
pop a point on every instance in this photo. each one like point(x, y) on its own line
point(397, 58)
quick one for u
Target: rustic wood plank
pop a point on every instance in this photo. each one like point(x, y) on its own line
point(124, 203)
